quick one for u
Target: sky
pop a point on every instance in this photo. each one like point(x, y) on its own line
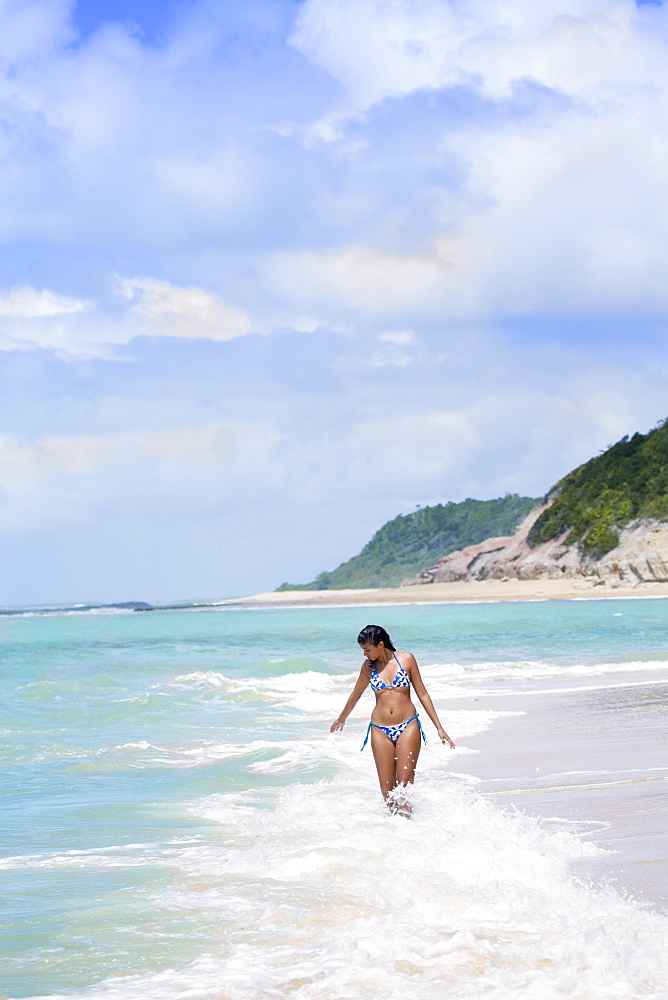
point(273, 272)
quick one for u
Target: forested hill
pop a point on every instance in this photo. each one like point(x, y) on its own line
point(408, 543)
point(627, 482)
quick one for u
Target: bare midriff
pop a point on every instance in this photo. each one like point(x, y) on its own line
point(393, 706)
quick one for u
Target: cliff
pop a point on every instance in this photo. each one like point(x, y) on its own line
point(640, 557)
point(607, 521)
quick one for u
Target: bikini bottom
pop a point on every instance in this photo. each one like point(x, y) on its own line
point(394, 732)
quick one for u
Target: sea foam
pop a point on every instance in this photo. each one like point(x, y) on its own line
point(321, 894)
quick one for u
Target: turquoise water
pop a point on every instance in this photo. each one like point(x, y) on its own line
point(176, 815)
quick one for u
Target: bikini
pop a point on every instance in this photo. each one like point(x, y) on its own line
point(401, 680)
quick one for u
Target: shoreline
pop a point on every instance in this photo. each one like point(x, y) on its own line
point(460, 591)
point(586, 758)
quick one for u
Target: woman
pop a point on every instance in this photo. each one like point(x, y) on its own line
point(394, 728)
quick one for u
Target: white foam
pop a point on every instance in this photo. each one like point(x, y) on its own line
point(531, 670)
point(309, 691)
point(115, 856)
point(321, 894)
point(291, 756)
point(321, 695)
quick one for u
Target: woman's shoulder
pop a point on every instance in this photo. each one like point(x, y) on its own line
point(405, 658)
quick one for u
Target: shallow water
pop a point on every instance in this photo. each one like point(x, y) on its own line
point(177, 821)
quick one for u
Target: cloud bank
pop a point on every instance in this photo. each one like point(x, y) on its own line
point(493, 157)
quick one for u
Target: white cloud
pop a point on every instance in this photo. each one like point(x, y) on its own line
point(575, 220)
point(400, 338)
point(415, 447)
point(33, 28)
point(392, 349)
point(561, 209)
point(64, 477)
point(378, 284)
point(30, 318)
point(28, 303)
point(519, 201)
point(168, 310)
point(380, 49)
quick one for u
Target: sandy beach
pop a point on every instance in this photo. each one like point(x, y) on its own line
point(586, 754)
point(488, 590)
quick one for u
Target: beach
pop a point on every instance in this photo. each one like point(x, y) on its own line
point(179, 821)
point(590, 755)
point(472, 590)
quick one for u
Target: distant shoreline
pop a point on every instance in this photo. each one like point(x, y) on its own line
point(474, 590)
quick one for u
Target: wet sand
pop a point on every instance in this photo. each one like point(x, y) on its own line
point(591, 752)
point(485, 590)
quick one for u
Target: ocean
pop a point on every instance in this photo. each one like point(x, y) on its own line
point(178, 822)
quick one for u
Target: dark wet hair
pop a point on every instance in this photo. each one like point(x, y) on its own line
point(373, 634)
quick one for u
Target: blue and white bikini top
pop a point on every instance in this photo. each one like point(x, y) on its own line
point(401, 679)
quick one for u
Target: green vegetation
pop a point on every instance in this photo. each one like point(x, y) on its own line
point(628, 481)
point(410, 542)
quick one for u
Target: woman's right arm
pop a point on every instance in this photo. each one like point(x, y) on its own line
point(361, 685)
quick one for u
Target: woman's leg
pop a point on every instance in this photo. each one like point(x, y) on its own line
point(384, 755)
point(407, 751)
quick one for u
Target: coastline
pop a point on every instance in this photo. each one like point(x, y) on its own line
point(462, 591)
point(586, 755)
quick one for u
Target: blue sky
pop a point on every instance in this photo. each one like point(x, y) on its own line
point(274, 272)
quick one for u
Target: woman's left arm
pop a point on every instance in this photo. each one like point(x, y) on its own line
point(423, 695)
